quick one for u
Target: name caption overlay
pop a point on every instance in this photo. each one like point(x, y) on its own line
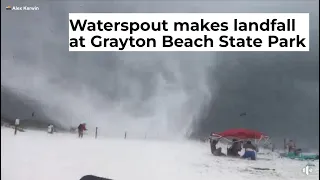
point(188, 31)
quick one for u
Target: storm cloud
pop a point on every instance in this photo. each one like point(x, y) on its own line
point(158, 93)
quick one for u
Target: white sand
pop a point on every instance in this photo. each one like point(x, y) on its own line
point(34, 155)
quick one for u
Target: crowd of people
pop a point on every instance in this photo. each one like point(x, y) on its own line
point(236, 147)
point(81, 128)
point(250, 150)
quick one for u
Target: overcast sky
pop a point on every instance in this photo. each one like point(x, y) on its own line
point(159, 93)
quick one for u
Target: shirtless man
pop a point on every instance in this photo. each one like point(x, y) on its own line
point(291, 146)
point(235, 148)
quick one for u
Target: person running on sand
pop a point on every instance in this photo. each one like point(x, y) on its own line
point(81, 129)
point(50, 129)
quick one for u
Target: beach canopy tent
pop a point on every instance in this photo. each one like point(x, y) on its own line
point(241, 135)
